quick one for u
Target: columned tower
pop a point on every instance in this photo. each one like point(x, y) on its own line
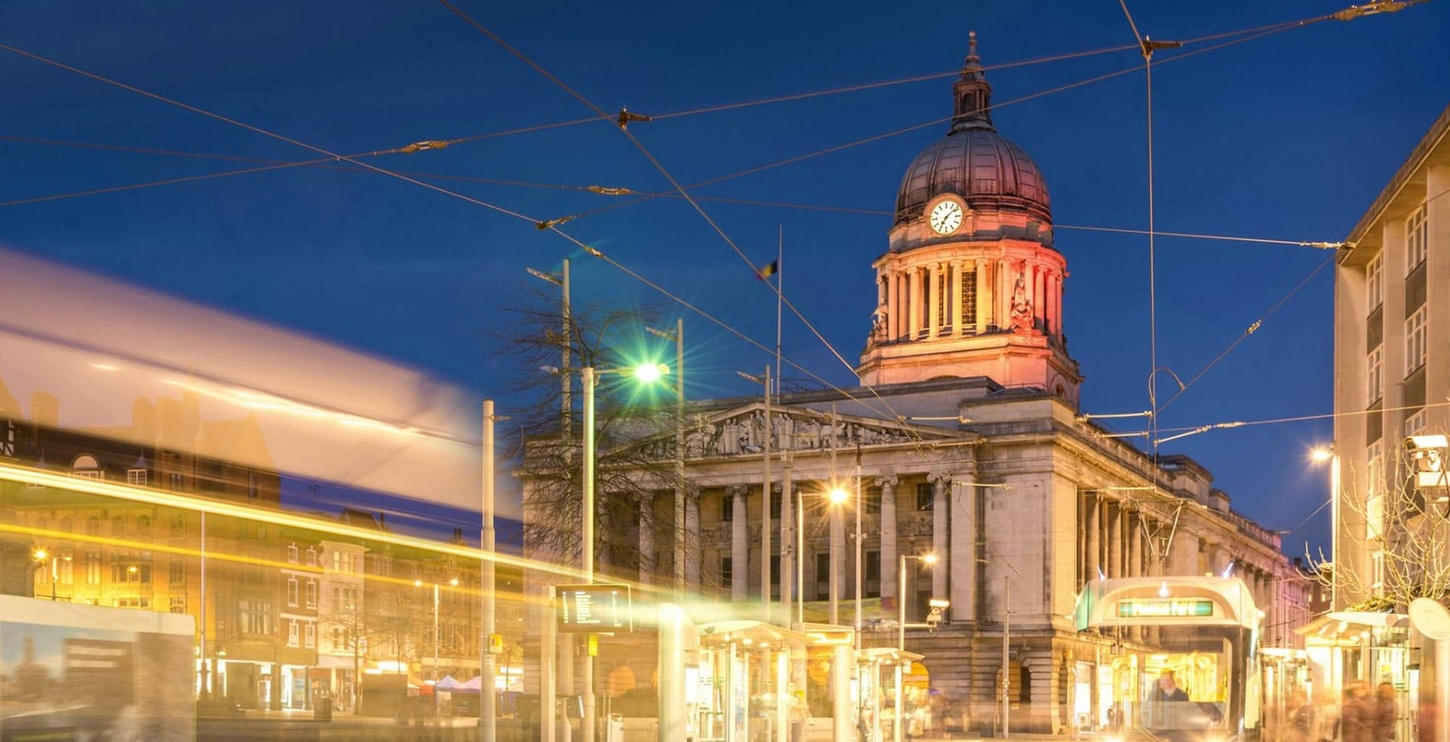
point(970, 284)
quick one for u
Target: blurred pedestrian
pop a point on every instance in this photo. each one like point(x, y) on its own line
point(1354, 720)
point(1301, 719)
point(1384, 713)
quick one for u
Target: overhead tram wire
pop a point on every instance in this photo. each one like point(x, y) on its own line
point(443, 143)
point(601, 190)
point(622, 122)
point(1252, 35)
point(1347, 14)
point(1252, 328)
point(383, 171)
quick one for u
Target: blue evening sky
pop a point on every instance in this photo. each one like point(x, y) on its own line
point(1285, 137)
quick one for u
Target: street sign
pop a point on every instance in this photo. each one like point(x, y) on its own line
point(594, 609)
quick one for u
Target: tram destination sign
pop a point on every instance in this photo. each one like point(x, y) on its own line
point(1165, 608)
point(594, 609)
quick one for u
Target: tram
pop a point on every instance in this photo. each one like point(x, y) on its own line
point(1184, 664)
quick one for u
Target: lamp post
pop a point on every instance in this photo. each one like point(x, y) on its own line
point(488, 617)
point(42, 556)
point(1328, 454)
point(901, 633)
point(646, 373)
point(419, 583)
point(678, 336)
point(765, 494)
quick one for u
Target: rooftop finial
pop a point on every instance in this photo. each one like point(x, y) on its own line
point(972, 92)
point(972, 46)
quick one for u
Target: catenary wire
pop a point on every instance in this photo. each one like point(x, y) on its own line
point(659, 166)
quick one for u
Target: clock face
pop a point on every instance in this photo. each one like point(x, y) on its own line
point(946, 217)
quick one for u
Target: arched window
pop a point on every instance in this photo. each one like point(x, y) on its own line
point(86, 466)
point(93, 525)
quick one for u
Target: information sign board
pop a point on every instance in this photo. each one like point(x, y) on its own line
point(594, 609)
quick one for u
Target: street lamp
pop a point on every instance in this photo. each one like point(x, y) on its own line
point(42, 556)
point(901, 632)
point(454, 583)
point(1323, 454)
point(648, 373)
point(678, 337)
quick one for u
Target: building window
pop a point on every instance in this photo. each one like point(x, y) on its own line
point(871, 571)
point(873, 500)
point(292, 553)
point(1415, 341)
point(1415, 424)
point(775, 576)
point(924, 496)
point(178, 525)
point(136, 477)
point(311, 557)
point(292, 591)
point(130, 571)
point(969, 297)
point(254, 617)
point(1374, 282)
point(85, 466)
point(176, 482)
point(1375, 376)
point(727, 508)
point(727, 572)
point(93, 568)
point(132, 602)
point(311, 636)
point(1374, 456)
point(93, 525)
point(177, 571)
point(178, 605)
point(312, 593)
point(1417, 239)
point(143, 526)
point(775, 498)
point(823, 576)
point(118, 526)
point(292, 633)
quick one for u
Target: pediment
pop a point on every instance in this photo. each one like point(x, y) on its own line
point(742, 432)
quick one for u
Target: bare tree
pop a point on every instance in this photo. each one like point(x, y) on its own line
point(1399, 533)
point(633, 454)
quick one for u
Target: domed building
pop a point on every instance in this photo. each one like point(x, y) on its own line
point(964, 443)
point(970, 284)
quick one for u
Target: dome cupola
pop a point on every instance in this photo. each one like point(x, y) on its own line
point(985, 169)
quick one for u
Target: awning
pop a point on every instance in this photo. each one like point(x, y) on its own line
point(1348, 628)
point(754, 633)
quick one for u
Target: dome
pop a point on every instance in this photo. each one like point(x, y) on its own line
point(973, 161)
point(986, 169)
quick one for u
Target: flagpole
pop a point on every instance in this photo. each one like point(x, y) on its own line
point(779, 298)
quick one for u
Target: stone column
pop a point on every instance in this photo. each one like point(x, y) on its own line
point(1135, 546)
point(788, 553)
point(739, 544)
point(888, 536)
point(933, 300)
point(692, 540)
point(1115, 539)
point(956, 297)
point(962, 561)
point(646, 538)
point(939, 533)
point(1094, 535)
point(893, 288)
point(913, 311)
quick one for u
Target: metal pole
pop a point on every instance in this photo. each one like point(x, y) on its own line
point(588, 548)
point(1006, 643)
point(765, 505)
point(567, 392)
point(205, 685)
point(435, 646)
point(1334, 535)
point(900, 647)
point(488, 708)
point(680, 457)
point(548, 685)
point(800, 557)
